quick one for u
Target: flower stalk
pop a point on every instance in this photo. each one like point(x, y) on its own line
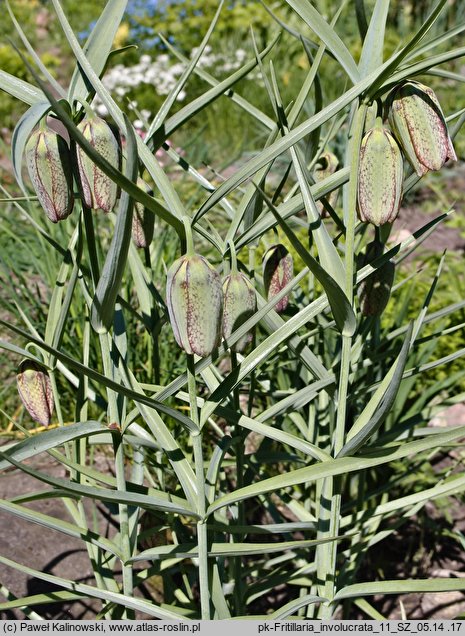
point(330, 497)
point(202, 535)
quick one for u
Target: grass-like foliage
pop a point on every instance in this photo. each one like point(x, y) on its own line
point(266, 460)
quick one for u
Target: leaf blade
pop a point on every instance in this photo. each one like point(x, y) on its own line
point(103, 303)
point(21, 134)
point(335, 467)
point(97, 48)
point(329, 36)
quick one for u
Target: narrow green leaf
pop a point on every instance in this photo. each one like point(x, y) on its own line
point(338, 466)
point(98, 377)
point(103, 304)
point(168, 192)
point(378, 408)
point(289, 609)
point(372, 50)
point(295, 34)
point(429, 297)
point(41, 599)
point(97, 48)
point(53, 438)
point(33, 53)
point(222, 611)
point(267, 528)
point(287, 209)
point(24, 353)
point(198, 104)
point(442, 38)
point(293, 402)
point(190, 550)
point(58, 309)
point(328, 35)
point(369, 610)
point(258, 115)
point(142, 285)
point(340, 305)
point(93, 592)
point(454, 485)
point(173, 94)
point(400, 586)
point(52, 523)
point(283, 436)
point(214, 466)
point(315, 138)
point(161, 501)
point(20, 89)
point(361, 18)
point(435, 363)
point(21, 134)
point(394, 63)
point(38, 495)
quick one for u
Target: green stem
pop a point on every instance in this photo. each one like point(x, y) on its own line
point(128, 583)
point(232, 250)
point(202, 535)
point(189, 239)
point(252, 250)
point(89, 112)
point(56, 398)
point(69, 452)
point(237, 538)
point(81, 456)
point(113, 412)
point(331, 495)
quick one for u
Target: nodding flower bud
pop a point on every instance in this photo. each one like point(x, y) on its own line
point(380, 175)
point(278, 270)
point(143, 221)
point(49, 165)
point(326, 166)
point(35, 391)
point(418, 123)
point(99, 191)
point(240, 303)
point(194, 297)
point(374, 291)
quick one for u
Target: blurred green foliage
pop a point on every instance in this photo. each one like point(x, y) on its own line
point(185, 22)
point(37, 19)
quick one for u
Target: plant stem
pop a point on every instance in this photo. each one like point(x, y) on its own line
point(113, 412)
point(330, 501)
point(237, 561)
point(189, 239)
point(202, 535)
point(128, 582)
